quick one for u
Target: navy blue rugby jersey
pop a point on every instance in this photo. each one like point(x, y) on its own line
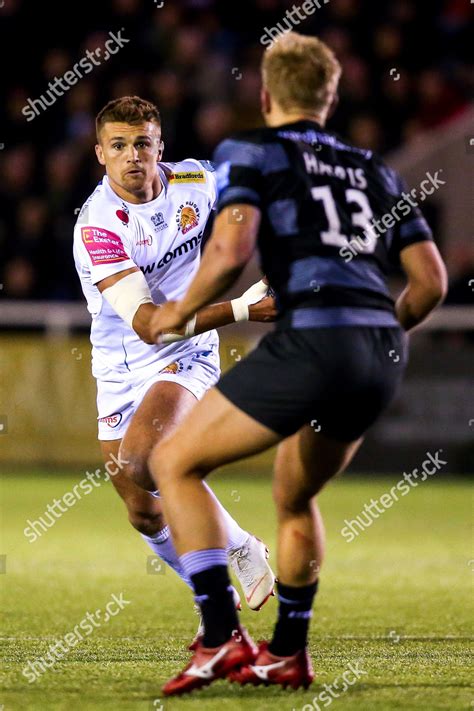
point(334, 221)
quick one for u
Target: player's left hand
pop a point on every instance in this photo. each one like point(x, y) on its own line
point(168, 317)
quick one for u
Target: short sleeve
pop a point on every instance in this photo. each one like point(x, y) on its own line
point(101, 252)
point(239, 173)
point(412, 227)
point(210, 170)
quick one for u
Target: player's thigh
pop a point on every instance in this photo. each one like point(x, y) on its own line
point(214, 433)
point(165, 404)
point(306, 461)
point(135, 498)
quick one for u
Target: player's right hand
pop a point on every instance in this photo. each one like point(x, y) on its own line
point(167, 318)
point(263, 310)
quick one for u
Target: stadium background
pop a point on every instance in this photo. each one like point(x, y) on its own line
point(405, 92)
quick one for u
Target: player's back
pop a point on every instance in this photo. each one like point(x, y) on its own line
point(334, 220)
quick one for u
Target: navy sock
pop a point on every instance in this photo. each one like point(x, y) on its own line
point(294, 614)
point(213, 593)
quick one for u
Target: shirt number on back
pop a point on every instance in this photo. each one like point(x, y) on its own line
point(361, 218)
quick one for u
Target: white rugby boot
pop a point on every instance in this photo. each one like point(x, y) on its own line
point(250, 565)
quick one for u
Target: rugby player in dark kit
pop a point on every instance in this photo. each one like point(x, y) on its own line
point(329, 220)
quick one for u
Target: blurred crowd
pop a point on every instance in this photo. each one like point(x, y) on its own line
point(405, 63)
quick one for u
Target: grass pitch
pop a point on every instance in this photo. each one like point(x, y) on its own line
point(396, 601)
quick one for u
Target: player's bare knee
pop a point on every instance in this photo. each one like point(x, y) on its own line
point(136, 469)
point(289, 500)
point(146, 522)
point(167, 465)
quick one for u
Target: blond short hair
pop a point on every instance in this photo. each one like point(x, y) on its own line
point(300, 72)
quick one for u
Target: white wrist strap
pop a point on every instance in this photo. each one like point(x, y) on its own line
point(240, 309)
point(173, 337)
point(190, 326)
point(240, 306)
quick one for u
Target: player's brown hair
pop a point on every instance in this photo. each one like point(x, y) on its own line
point(127, 109)
point(300, 72)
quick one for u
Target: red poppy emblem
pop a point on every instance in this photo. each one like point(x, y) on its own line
point(122, 216)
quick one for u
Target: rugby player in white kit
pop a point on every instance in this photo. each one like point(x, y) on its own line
point(137, 245)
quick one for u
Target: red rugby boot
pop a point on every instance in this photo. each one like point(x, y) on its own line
point(208, 665)
point(294, 671)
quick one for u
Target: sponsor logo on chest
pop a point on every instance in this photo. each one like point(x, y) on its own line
point(145, 241)
point(182, 249)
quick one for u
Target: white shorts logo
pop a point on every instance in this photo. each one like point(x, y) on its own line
point(112, 421)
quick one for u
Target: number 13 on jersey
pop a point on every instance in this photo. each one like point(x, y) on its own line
point(361, 216)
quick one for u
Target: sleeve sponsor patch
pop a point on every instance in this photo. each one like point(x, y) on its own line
point(103, 247)
point(197, 176)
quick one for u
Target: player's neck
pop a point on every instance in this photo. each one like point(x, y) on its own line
point(146, 194)
point(280, 118)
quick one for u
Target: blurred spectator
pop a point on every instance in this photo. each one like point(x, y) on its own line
point(19, 279)
point(365, 131)
point(198, 61)
point(438, 100)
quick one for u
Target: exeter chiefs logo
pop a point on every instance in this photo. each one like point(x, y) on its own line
point(173, 368)
point(187, 216)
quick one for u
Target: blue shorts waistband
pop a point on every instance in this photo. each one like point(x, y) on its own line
point(334, 316)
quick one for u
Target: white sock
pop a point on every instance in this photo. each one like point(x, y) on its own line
point(236, 536)
point(162, 545)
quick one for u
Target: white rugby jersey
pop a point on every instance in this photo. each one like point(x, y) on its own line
point(161, 237)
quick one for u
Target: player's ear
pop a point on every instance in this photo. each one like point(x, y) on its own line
point(265, 101)
point(161, 148)
point(333, 105)
point(100, 154)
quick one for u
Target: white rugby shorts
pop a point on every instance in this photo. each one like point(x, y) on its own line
point(119, 394)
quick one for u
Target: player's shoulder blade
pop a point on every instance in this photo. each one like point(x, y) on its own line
point(243, 151)
point(390, 180)
point(238, 142)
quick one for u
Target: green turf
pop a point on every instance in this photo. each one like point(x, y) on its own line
point(397, 601)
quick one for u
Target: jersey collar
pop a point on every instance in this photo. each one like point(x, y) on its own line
point(142, 205)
